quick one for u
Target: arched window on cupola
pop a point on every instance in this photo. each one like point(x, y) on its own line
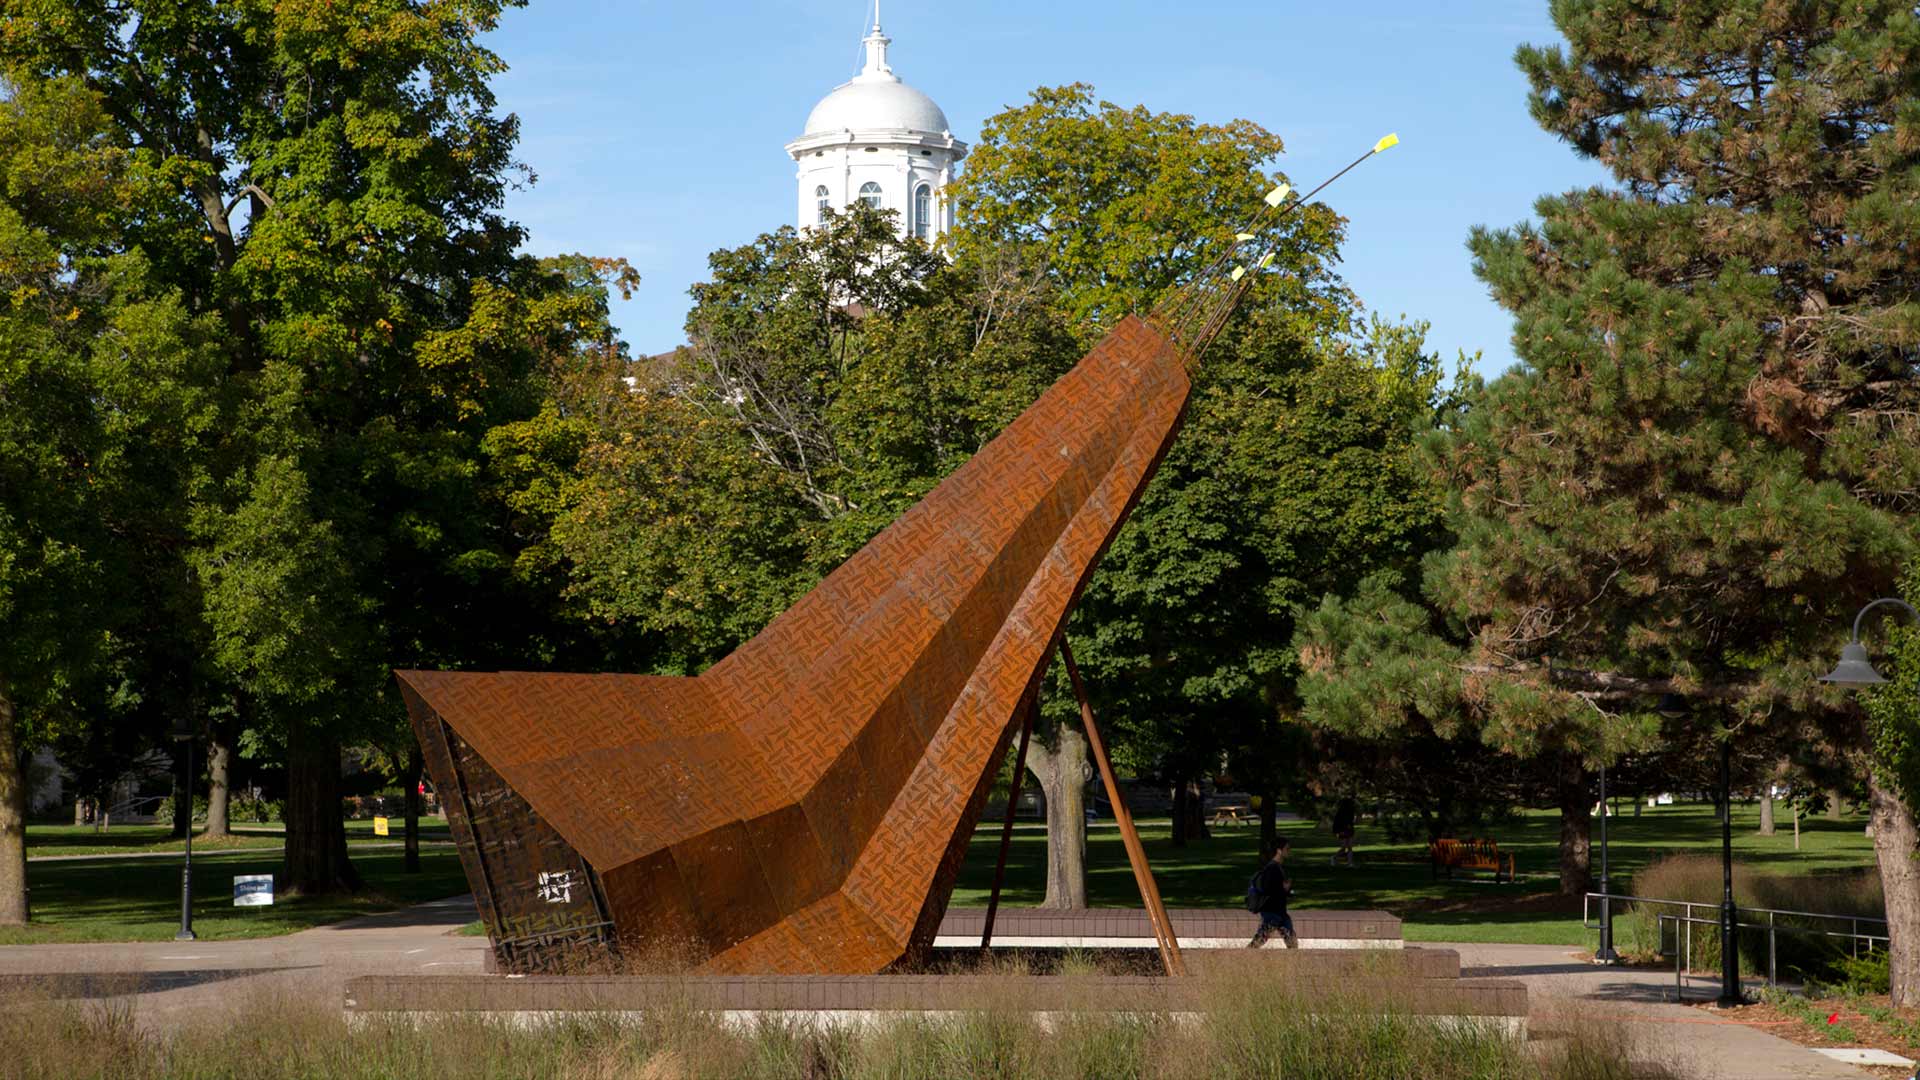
point(923, 212)
point(822, 199)
point(870, 194)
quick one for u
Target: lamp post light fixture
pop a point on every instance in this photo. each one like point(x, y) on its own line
point(1854, 668)
point(183, 732)
point(1605, 954)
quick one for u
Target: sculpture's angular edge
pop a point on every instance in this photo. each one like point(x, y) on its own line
point(805, 805)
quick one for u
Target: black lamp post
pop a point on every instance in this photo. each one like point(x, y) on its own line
point(1730, 994)
point(183, 732)
point(1605, 954)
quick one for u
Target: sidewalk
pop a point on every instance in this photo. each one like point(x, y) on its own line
point(174, 976)
point(1562, 984)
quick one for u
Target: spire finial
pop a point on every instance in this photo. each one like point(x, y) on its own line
point(876, 43)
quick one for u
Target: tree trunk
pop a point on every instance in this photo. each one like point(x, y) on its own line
point(1834, 811)
point(1894, 841)
point(79, 810)
point(13, 822)
point(1269, 824)
point(219, 781)
point(1189, 813)
point(1576, 829)
point(316, 856)
point(1061, 772)
point(1766, 810)
point(415, 765)
point(1179, 823)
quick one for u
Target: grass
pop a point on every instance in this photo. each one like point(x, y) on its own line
point(139, 899)
point(44, 840)
point(1262, 1030)
point(1396, 877)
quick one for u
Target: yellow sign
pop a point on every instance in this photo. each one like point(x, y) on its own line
point(380, 826)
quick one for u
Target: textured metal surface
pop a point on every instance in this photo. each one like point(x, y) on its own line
point(804, 805)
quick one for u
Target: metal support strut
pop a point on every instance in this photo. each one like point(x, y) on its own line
point(1136, 854)
point(1027, 711)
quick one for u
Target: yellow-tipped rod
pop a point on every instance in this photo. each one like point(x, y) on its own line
point(1173, 317)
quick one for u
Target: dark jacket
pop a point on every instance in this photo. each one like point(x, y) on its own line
point(1343, 816)
point(1274, 887)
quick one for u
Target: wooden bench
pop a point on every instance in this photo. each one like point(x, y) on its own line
point(1470, 855)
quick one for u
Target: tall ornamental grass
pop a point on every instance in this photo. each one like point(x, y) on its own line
point(1257, 1028)
point(1799, 957)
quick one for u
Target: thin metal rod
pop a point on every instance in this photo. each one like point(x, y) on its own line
point(1031, 706)
point(1136, 853)
point(186, 863)
point(1729, 915)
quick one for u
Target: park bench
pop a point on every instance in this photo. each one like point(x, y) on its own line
point(1470, 855)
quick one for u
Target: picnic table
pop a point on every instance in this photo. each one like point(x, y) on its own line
point(1232, 815)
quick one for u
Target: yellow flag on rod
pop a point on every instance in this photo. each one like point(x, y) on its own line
point(1266, 262)
point(1390, 140)
point(1278, 195)
point(1242, 238)
point(1239, 272)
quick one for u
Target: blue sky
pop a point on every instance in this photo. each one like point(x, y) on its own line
point(656, 128)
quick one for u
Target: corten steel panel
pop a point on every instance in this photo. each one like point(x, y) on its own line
point(804, 805)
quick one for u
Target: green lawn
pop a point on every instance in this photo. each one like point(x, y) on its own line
point(1396, 878)
point(139, 899)
point(142, 839)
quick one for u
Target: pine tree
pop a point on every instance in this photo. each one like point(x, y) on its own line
point(1710, 452)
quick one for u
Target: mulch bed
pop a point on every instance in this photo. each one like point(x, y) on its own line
point(1830, 1023)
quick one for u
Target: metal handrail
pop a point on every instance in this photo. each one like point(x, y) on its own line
point(1684, 954)
point(1587, 909)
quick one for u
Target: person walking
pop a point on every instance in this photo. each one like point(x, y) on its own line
point(1344, 816)
point(1267, 894)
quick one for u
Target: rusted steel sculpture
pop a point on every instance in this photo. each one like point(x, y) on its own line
point(804, 805)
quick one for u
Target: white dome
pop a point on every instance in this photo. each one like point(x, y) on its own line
point(876, 105)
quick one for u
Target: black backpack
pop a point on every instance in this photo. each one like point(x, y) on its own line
point(1256, 896)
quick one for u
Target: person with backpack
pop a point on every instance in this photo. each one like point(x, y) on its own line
point(1267, 896)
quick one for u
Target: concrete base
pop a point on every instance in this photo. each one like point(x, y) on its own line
point(1418, 982)
point(1129, 928)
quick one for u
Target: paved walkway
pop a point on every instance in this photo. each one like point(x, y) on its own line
point(173, 977)
point(1564, 987)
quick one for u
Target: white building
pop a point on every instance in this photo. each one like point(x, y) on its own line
point(879, 141)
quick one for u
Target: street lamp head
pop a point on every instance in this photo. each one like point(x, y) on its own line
point(1672, 706)
point(1854, 668)
point(182, 729)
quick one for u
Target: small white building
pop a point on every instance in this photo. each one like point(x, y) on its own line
point(879, 141)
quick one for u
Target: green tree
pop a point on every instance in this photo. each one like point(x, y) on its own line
point(1707, 455)
point(1292, 476)
point(102, 382)
point(336, 171)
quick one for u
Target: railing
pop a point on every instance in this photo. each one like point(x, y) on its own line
point(1684, 923)
point(138, 806)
